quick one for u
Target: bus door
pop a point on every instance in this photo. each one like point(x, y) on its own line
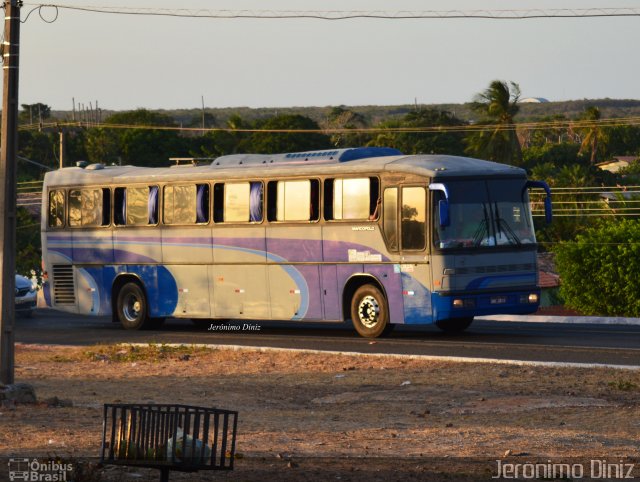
point(414, 254)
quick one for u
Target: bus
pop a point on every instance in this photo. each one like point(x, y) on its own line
point(362, 234)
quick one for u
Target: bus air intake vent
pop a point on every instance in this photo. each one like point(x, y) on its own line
point(64, 292)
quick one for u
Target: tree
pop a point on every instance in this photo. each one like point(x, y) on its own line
point(276, 142)
point(142, 146)
point(594, 137)
point(497, 106)
point(34, 113)
point(343, 118)
point(600, 270)
point(433, 142)
point(27, 242)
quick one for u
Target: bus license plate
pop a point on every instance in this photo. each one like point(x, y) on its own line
point(498, 300)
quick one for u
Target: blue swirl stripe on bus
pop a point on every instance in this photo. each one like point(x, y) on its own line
point(417, 301)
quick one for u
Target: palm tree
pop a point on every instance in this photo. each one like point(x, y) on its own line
point(497, 106)
point(594, 136)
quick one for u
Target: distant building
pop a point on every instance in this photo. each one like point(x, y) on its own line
point(616, 163)
point(533, 100)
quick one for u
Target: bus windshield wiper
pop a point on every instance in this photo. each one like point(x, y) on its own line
point(482, 228)
point(503, 226)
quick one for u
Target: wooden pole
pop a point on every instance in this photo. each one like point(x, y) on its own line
point(8, 152)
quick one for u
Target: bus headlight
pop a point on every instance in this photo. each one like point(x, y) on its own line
point(532, 298)
point(464, 303)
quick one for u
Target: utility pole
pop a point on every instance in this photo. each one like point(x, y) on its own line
point(203, 115)
point(8, 152)
point(62, 148)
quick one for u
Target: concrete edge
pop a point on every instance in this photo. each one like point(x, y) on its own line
point(587, 320)
point(452, 359)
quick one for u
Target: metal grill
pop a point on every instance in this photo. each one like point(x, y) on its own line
point(64, 291)
point(169, 437)
point(503, 268)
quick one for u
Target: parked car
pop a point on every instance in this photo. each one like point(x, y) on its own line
point(26, 296)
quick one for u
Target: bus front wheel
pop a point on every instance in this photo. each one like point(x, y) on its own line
point(455, 325)
point(369, 312)
point(132, 307)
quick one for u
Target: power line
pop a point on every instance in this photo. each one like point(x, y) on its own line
point(568, 124)
point(331, 15)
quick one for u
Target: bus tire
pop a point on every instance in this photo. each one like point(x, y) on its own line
point(455, 325)
point(132, 308)
point(369, 312)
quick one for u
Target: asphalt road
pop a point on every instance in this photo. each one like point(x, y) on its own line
point(572, 343)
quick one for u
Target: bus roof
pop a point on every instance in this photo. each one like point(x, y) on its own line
point(313, 163)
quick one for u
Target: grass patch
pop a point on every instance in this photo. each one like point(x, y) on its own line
point(623, 385)
point(151, 352)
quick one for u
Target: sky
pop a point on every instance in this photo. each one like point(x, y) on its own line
point(127, 62)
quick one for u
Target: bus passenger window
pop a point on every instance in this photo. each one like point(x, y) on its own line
point(85, 207)
point(239, 202)
point(413, 222)
point(135, 206)
point(390, 217)
point(179, 204)
point(355, 198)
point(202, 203)
point(294, 200)
point(56, 209)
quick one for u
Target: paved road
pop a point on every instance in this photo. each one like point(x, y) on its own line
point(574, 343)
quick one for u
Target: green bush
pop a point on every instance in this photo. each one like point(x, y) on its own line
point(600, 270)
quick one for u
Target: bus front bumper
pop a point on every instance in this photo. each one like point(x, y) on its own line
point(452, 305)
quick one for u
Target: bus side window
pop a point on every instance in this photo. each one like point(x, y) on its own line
point(135, 206)
point(86, 207)
point(355, 198)
point(239, 202)
point(390, 217)
point(56, 209)
point(181, 204)
point(119, 206)
point(106, 206)
point(293, 200)
point(413, 219)
point(255, 202)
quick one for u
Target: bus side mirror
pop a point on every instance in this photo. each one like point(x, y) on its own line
point(443, 212)
point(548, 211)
point(443, 204)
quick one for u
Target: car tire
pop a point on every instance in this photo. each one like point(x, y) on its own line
point(369, 312)
point(132, 308)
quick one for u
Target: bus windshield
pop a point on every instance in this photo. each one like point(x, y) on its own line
point(484, 214)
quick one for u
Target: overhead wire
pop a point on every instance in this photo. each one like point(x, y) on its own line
point(336, 15)
point(541, 125)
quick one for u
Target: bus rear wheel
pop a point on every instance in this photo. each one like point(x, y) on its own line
point(455, 325)
point(369, 312)
point(132, 308)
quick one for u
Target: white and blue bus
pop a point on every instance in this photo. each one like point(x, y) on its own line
point(366, 234)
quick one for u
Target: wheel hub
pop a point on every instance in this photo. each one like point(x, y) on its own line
point(132, 308)
point(369, 311)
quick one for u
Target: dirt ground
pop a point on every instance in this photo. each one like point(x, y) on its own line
point(329, 417)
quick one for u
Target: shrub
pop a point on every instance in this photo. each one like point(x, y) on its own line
point(600, 270)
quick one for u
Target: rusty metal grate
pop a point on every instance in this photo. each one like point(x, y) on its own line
point(169, 437)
